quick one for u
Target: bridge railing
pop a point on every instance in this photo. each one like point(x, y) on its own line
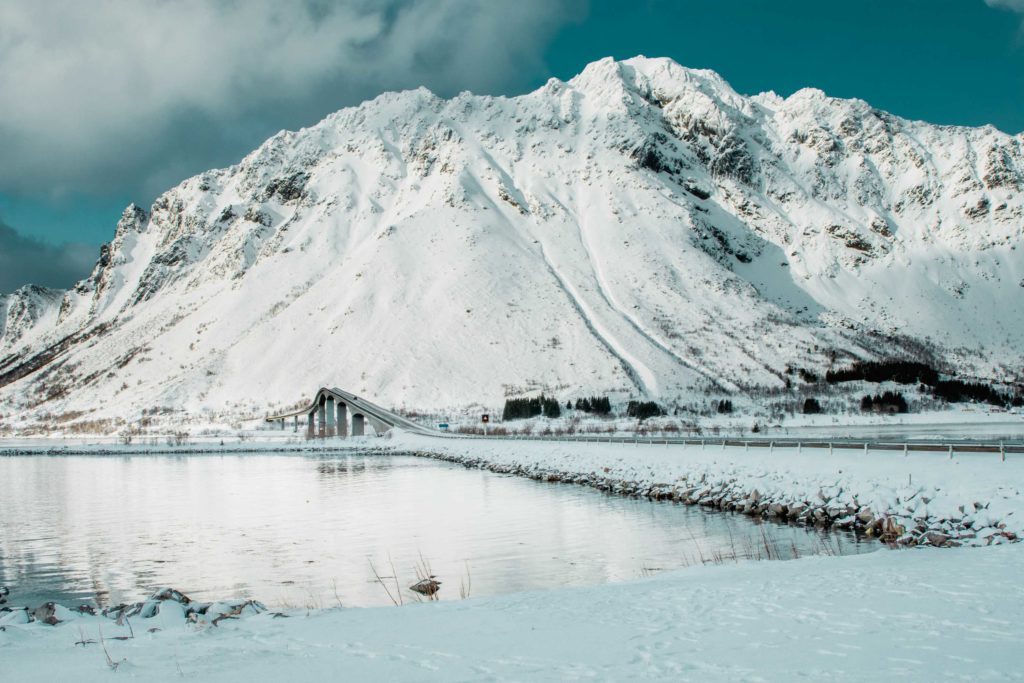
point(949, 448)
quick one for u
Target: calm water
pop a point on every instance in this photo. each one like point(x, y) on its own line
point(295, 530)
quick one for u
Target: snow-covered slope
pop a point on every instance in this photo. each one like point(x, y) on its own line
point(641, 228)
point(28, 309)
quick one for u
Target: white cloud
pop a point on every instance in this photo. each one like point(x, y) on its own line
point(1012, 5)
point(141, 92)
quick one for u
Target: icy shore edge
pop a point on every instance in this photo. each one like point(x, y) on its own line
point(919, 499)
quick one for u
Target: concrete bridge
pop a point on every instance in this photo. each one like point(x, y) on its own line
point(333, 409)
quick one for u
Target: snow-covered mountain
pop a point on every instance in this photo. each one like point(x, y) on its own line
point(641, 228)
point(28, 309)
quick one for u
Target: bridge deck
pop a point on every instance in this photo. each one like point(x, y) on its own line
point(358, 406)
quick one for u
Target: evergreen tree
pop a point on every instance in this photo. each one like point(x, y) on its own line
point(643, 409)
point(550, 407)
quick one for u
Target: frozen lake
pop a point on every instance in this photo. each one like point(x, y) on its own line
point(302, 530)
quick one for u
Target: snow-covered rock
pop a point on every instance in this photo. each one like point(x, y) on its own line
point(24, 311)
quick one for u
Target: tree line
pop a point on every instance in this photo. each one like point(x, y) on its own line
point(889, 402)
point(899, 371)
point(600, 405)
point(523, 408)
point(643, 409)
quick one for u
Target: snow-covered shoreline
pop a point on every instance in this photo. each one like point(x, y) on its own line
point(920, 615)
point(914, 499)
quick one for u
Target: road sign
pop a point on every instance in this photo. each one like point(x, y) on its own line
point(442, 425)
point(485, 418)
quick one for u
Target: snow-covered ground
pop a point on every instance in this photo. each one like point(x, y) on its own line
point(962, 421)
point(912, 615)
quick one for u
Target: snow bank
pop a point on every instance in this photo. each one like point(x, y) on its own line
point(919, 498)
point(894, 615)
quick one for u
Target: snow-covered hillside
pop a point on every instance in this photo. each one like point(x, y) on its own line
point(28, 309)
point(641, 229)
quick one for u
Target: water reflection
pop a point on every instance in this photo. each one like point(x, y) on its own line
point(298, 530)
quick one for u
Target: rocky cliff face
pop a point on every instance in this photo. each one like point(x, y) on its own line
point(641, 228)
point(23, 312)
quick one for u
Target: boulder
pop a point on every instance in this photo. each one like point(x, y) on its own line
point(46, 614)
point(845, 522)
point(428, 586)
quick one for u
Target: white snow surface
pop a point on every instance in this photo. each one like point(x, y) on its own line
point(910, 615)
point(641, 229)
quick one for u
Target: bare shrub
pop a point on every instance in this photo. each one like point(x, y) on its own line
point(178, 439)
point(396, 597)
point(466, 584)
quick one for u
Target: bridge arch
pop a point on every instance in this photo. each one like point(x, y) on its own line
point(330, 412)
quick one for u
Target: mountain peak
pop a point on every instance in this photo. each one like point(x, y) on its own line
point(644, 75)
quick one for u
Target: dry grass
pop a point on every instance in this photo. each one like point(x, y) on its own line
point(396, 597)
point(466, 584)
point(758, 549)
point(110, 661)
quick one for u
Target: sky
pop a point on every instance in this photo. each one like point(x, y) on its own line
point(115, 101)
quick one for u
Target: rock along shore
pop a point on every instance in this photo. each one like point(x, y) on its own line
point(907, 518)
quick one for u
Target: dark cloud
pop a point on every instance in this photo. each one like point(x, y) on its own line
point(26, 261)
point(137, 94)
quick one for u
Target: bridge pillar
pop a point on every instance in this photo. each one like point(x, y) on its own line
point(329, 410)
point(342, 419)
point(378, 426)
point(309, 424)
point(320, 421)
point(296, 427)
point(358, 422)
point(282, 424)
